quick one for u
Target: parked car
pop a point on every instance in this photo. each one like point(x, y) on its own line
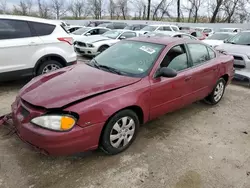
point(218, 38)
point(114, 25)
point(205, 30)
point(32, 46)
point(151, 28)
point(199, 35)
point(73, 28)
point(88, 31)
point(93, 45)
point(135, 27)
point(104, 102)
point(171, 34)
point(96, 23)
point(232, 30)
point(239, 47)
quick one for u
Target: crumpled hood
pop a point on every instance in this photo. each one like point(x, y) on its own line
point(213, 42)
point(93, 39)
point(234, 48)
point(70, 84)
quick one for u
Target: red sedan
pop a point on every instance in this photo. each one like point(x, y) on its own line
point(103, 103)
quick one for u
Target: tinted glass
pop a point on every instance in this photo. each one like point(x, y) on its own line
point(101, 31)
point(12, 29)
point(167, 28)
point(81, 31)
point(160, 29)
point(149, 28)
point(119, 25)
point(137, 61)
point(129, 34)
point(42, 29)
point(198, 53)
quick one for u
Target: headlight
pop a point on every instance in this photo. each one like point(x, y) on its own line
point(55, 122)
point(90, 45)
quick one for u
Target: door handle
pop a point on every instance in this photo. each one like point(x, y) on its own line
point(188, 78)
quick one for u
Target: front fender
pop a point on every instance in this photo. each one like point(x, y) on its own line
point(101, 107)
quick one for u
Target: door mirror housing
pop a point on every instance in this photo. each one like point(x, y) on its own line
point(122, 37)
point(166, 72)
point(88, 34)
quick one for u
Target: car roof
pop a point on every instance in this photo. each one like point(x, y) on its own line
point(168, 32)
point(31, 19)
point(221, 32)
point(159, 40)
point(162, 25)
point(230, 28)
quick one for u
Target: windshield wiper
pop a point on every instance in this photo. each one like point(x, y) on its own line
point(93, 63)
point(110, 69)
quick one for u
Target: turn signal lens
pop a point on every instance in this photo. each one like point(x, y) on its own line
point(67, 123)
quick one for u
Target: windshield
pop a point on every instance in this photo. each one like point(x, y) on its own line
point(104, 25)
point(136, 62)
point(149, 28)
point(219, 36)
point(241, 39)
point(81, 31)
point(113, 34)
point(130, 27)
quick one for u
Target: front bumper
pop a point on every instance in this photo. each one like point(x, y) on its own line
point(50, 142)
point(86, 51)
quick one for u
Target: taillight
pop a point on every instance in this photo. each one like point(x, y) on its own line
point(69, 40)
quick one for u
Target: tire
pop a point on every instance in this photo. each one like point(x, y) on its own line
point(214, 98)
point(123, 127)
point(49, 64)
point(103, 48)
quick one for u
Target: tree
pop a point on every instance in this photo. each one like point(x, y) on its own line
point(58, 8)
point(149, 9)
point(140, 8)
point(43, 7)
point(111, 9)
point(96, 8)
point(216, 8)
point(123, 6)
point(178, 11)
point(3, 6)
point(79, 8)
point(162, 8)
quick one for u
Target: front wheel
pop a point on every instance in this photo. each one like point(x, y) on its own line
point(49, 66)
point(217, 93)
point(119, 132)
point(103, 48)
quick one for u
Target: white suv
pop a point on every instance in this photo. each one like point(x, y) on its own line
point(33, 46)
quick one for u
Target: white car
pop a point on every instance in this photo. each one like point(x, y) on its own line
point(73, 28)
point(232, 30)
point(218, 38)
point(32, 46)
point(206, 30)
point(171, 34)
point(87, 31)
point(93, 45)
point(151, 28)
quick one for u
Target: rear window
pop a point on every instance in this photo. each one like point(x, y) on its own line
point(42, 29)
point(12, 29)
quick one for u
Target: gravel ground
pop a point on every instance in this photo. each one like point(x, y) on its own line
point(196, 147)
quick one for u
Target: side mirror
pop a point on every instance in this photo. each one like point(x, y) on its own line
point(166, 72)
point(122, 37)
point(87, 34)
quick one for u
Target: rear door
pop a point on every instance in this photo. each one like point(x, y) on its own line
point(204, 68)
point(17, 46)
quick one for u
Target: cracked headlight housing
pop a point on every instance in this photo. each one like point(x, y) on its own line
point(55, 122)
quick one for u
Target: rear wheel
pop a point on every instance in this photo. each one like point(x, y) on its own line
point(120, 131)
point(217, 93)
point(49, 66)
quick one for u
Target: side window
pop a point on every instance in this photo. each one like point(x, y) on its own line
point(42, 29)
point(167, 28)
point(13, 29)
point(128, 34)
point(175, 28)
point(93, 32)
point(110, 26)
point(176, 58)
point(194, 34)
point(160, 29)
point(199, 53)
point(101, 31)
point(198, 34)
point(211, 53)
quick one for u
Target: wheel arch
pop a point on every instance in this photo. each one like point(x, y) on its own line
point(106, 45)
point(44, 58)
point(225, 77)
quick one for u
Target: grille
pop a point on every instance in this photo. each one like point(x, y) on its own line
point(25, 113)
point(81, 44)
point(238, 58)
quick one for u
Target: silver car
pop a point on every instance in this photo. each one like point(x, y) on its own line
point(239, 47)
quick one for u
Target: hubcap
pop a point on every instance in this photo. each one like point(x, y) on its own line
point(218, 91)
point(50, 67)
point(122, 132)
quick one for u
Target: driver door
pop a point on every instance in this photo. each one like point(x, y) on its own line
point(169, 94)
